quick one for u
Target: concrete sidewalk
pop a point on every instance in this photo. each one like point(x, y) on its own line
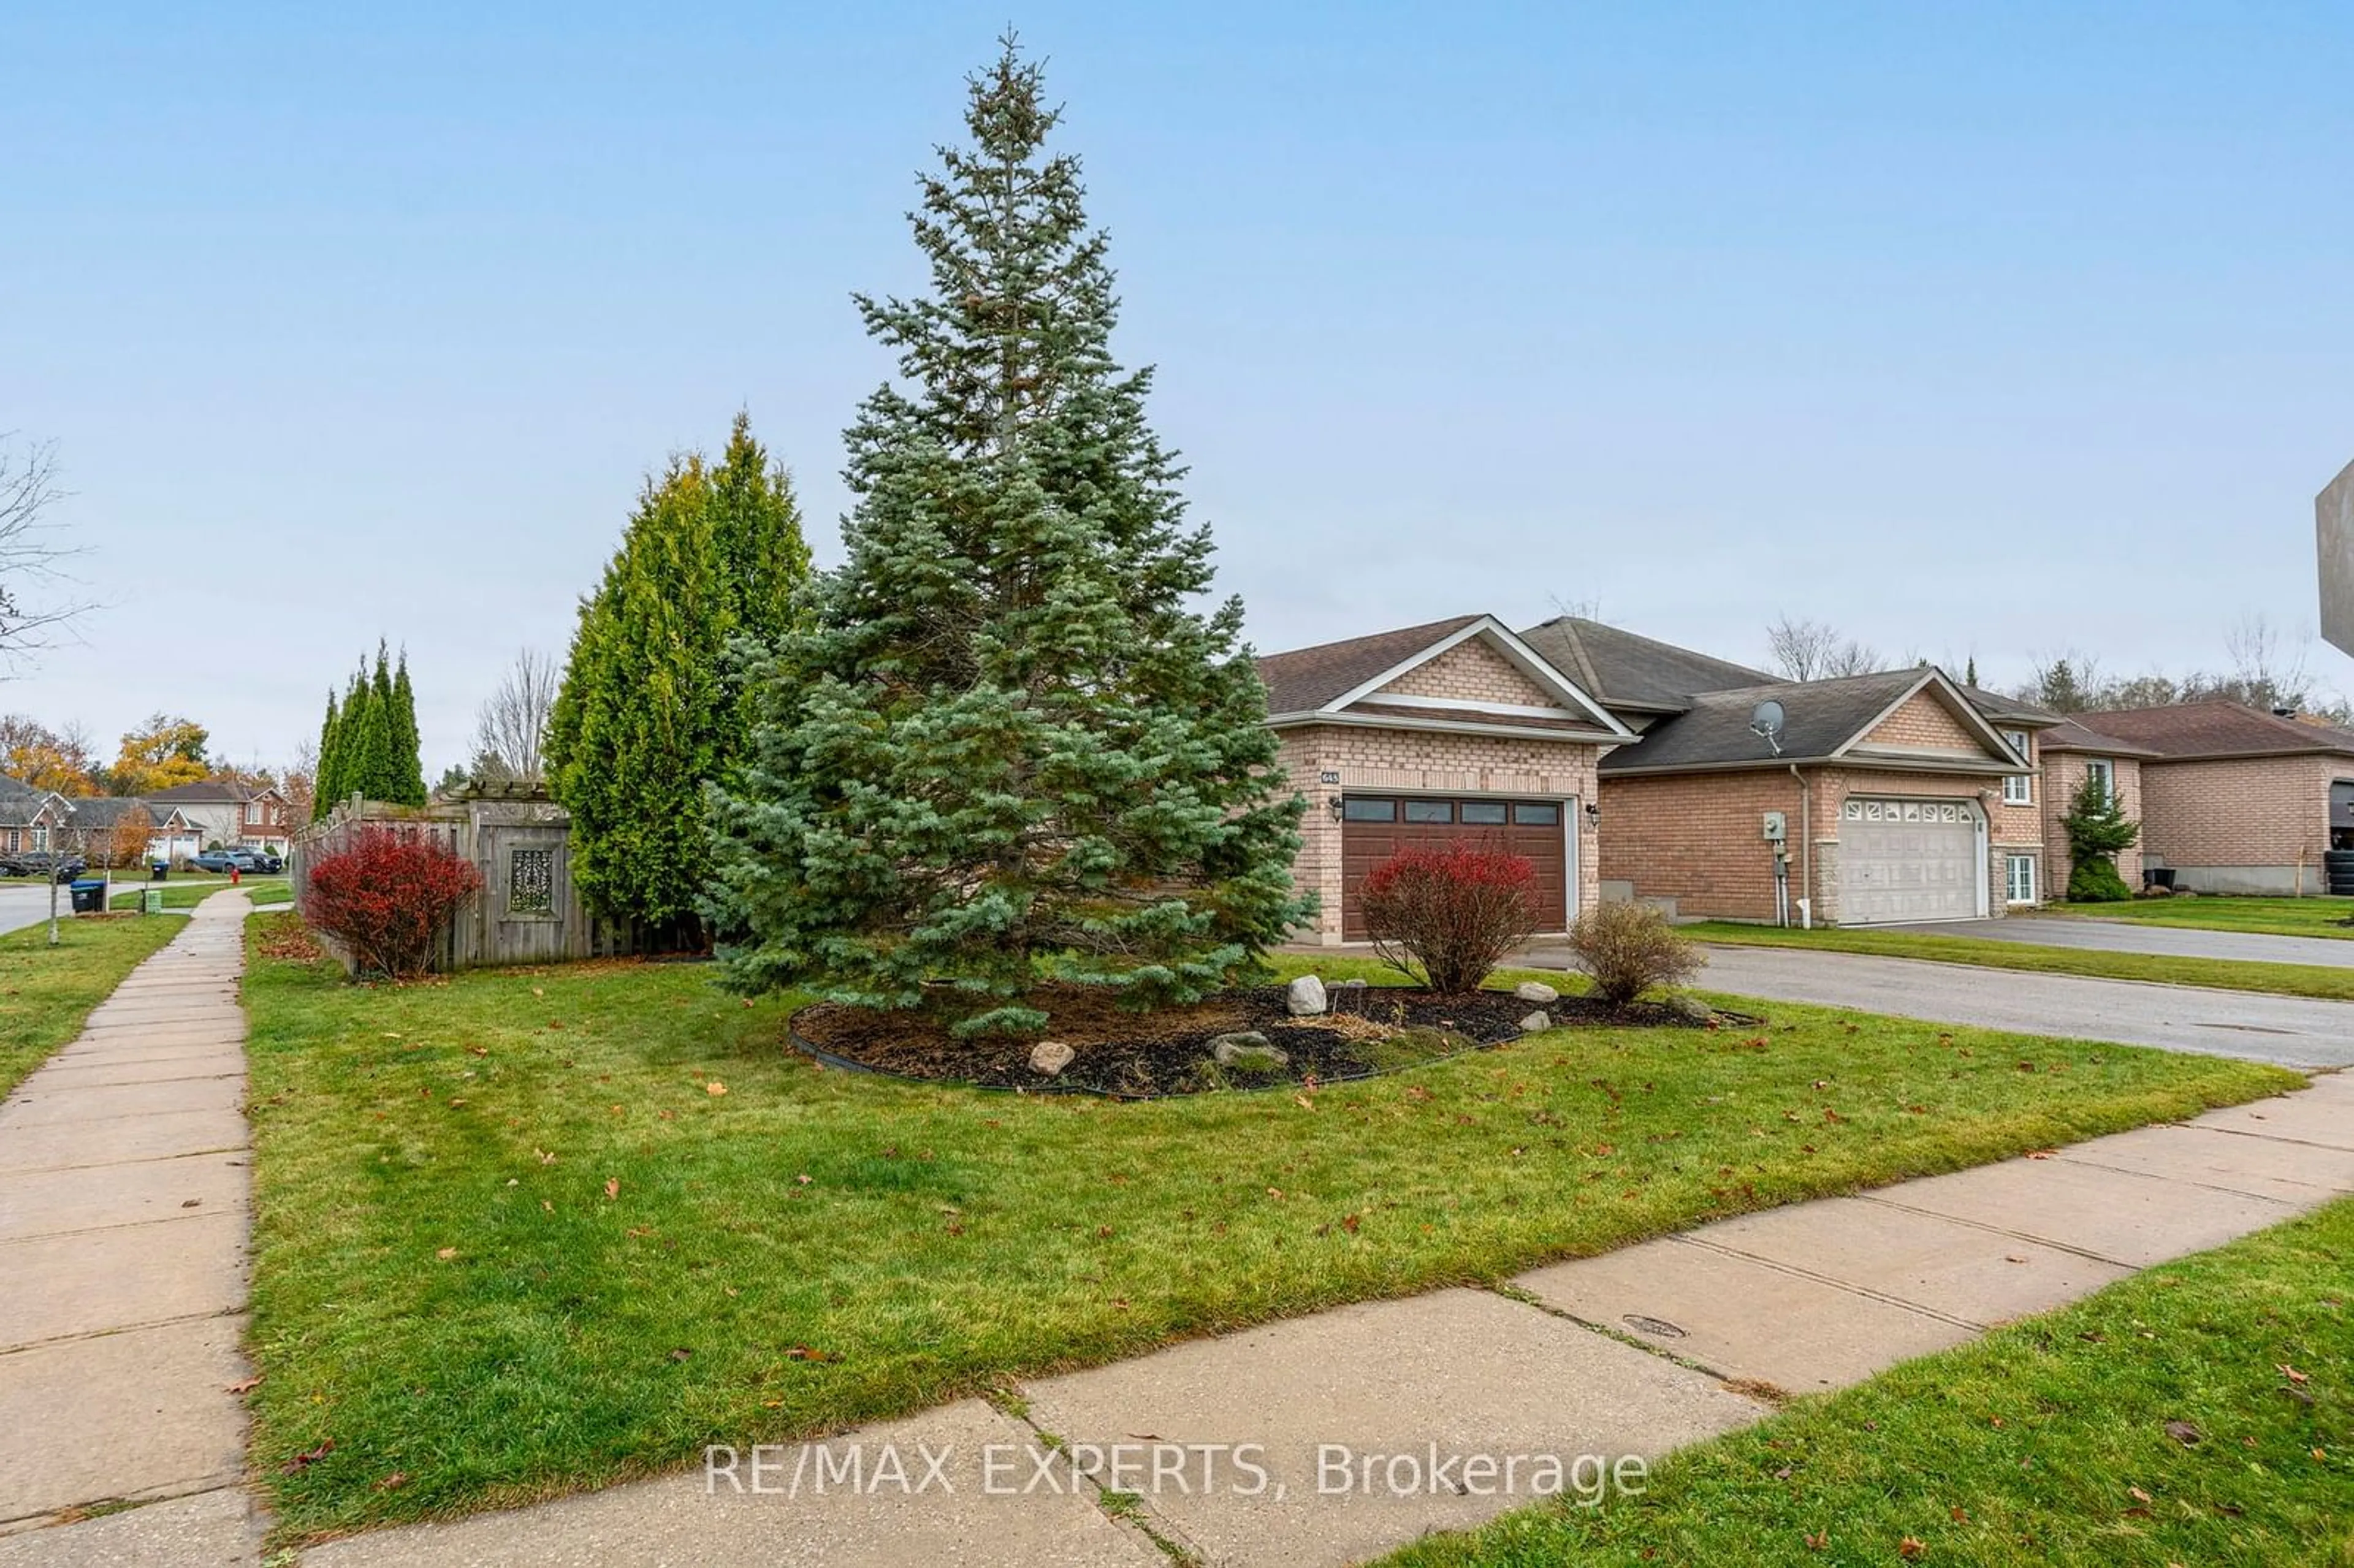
point(124, 1209)
point(1634, 1352)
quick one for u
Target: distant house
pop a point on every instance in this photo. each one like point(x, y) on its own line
point(111, 831)
point(2233, 800)
point(29, 816)
point(1896, 796)
point(191, 818)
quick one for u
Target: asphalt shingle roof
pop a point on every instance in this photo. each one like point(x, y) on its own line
point(202, 791)
point(1618, 668)
point(1307, 678)
point(2070, 735)
point(2217, 729)
point(1818, 717)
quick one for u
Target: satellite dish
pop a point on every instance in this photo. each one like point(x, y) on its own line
point(1766, 721)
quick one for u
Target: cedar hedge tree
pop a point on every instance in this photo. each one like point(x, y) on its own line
point(652, 706)
point(1006, 750)
point(368, 743)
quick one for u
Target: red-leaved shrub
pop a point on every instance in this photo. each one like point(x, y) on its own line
point(386, 896)
point(1452, 913)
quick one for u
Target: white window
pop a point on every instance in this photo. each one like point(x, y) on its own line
point(2101, 769)
point(2018, 789)
point(253, 812)
point(2018, 878)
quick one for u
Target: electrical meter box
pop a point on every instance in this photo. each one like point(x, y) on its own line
point(1778, 827)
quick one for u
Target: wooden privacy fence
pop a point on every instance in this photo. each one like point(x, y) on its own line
point(527, 911)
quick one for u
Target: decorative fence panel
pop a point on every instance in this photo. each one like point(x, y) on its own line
point(528, 911)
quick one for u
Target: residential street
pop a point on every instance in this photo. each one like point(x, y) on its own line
point(23, 904)
point(2292, 1031)
point(2132, 937)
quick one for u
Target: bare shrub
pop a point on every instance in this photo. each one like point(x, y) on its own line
point(1629, 948)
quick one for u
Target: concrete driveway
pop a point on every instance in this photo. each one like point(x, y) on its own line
point(2132, 937)
point(2294, 1032)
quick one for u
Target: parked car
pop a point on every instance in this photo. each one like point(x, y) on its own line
point(253, 862)
point(44, 862)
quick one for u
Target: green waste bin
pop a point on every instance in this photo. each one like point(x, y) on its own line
point(151, 901)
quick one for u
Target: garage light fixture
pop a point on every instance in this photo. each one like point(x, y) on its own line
point(1593, 814)
point(1333, 802)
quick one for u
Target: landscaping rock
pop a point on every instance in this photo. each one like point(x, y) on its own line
point(1690, 1008)
point(1249, 1050)
point(1535, 1022)
point(1050, 1057)
point(1537, 991)
point(1305, 997)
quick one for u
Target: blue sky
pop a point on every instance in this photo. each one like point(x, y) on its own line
point(1994, 329)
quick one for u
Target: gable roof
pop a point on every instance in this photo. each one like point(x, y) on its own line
point(2213, 729)
point(21, 802)
point(2071, 735)
point(1624, 670)
point(1341, 683)
point(105, 810)
point(2008, 710)
point(1308, 678)
point(1823, 721)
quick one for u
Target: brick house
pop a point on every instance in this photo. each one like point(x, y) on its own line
point(2233, 800)
point(1453, 732)
point(2072, 752)
point(193, 817)
point(29, 816)
point(1887, 796)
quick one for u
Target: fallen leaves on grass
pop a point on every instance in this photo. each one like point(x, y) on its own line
point(805, 1354)
point(446, 1254)
point(2184, 1432)
point(1910, 1547)
point(393, 1482)
point(613, 1187)
point(308, 1457)
point(246, 1385)
point(715, 1088)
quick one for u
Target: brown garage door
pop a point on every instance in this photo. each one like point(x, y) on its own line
point(1375, 827)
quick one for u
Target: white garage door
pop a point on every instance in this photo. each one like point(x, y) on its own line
point(1909, 860)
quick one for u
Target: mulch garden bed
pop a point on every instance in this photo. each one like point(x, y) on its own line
point(1145, 1056)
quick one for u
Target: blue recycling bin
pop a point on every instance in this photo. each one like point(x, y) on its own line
point(157, 870)
point(89, 896)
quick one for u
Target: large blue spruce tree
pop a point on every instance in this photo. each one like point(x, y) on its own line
point(1006, 748)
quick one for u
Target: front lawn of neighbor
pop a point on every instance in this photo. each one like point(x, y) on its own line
point(2322, 981)
point(45, 992)
point(188, 894)
point(2201, 1413)
point(2273, 916)
point(520, 1232)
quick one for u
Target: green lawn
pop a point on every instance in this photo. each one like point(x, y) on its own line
point(45, 992)
point(509, 1242)
point(2273, 916)
point(2045, 1443)
point(188, 894)
point(2322, 981)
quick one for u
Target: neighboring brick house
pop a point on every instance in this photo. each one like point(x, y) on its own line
point(2234, 800)
point(2072, 752)
point(194, 817)
point(1450, 733)
point(29, 816)
point(1887, 791)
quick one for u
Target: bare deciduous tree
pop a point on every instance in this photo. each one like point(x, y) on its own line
point(512, 722)
point(1810, 651)
point(30, 548)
